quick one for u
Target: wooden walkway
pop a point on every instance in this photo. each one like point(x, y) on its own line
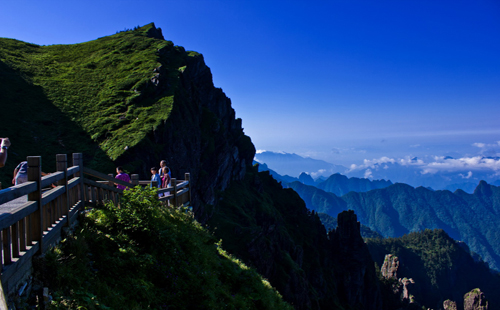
point(33, 215)
point(13, 204)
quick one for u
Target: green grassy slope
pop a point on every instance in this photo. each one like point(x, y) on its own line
point(144, 255)
point(270, 227)
point(98, 84)
point(99, 97)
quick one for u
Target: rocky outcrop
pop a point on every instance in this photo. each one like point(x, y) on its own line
point(405, 285)
point(449, 305)
point(475, 300)
point(201, 136)
point(390, 267)
point(356, 273)
point(400, 288)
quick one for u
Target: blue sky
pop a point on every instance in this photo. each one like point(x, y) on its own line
point(341, 81)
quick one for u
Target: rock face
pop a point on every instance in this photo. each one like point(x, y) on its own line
point(201, 136)
point(449, 305)
point(475, 300)
point(356, 274)
point(390, 268)
point(400, 288)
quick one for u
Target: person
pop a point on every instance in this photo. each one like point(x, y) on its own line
point(163, 164)
point(20, 173)
point(120, 175)
point(155, 177)
point(165, 180)
point(5, 143)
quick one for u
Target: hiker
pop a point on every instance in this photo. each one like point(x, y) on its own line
point(155, 177)
point(120, 175)
point(165, 180)
point(20, 173)
point(163, 164)
point(3, 151)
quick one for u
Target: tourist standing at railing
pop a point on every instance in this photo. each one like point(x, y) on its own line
point(155, 177)
point(165, 179)
point(163, 164)
point(120, 175)
point(20, 173)
point(3, 151)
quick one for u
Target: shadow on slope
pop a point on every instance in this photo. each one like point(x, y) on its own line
point(37, 128)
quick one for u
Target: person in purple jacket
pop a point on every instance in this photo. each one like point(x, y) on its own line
point(120, 175)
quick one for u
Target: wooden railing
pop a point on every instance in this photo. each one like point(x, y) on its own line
point(36, 225)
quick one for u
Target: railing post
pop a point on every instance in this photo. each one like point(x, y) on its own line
point(135, 179)
point(62, 165)
point(78, 161)
point(36, 218)
point(187, 177)
point(174, 185)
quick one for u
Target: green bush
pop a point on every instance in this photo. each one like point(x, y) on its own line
point(144, 254)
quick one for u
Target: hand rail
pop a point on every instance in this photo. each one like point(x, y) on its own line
point(34, 225)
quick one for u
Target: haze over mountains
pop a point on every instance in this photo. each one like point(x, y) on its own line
point(397, 209)
point(437, 173)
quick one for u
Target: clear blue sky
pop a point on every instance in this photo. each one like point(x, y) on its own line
point(337, 80)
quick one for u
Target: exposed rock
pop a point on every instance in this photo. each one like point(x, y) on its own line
point(201, 136)
point(449, 305)
point(405, 284)
point(156, 33)
point(475, 300)
point(399, 290)
point(390, 268)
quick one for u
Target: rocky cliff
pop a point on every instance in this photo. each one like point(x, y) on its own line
point(201, 135)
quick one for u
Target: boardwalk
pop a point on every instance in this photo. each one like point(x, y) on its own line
point(33, 214)
point(13, 205)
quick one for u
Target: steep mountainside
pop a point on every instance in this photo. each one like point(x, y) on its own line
point(400, 209)
point(271, 228)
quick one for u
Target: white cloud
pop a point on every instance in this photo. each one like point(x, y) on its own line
point(368, 174)
point(477, 163)
point(260, 151)
point(432, 165)
point(483, 145)
point(468, 176)
point(317, 174)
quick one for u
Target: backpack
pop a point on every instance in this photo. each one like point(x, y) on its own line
point(22, 167)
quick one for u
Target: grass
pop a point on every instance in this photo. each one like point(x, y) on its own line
point(104, 85)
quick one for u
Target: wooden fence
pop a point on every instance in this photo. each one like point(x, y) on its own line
point(52, 203)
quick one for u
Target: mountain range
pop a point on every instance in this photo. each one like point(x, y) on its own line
point(400, 209)
point(438, 173)
point(294, 165)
